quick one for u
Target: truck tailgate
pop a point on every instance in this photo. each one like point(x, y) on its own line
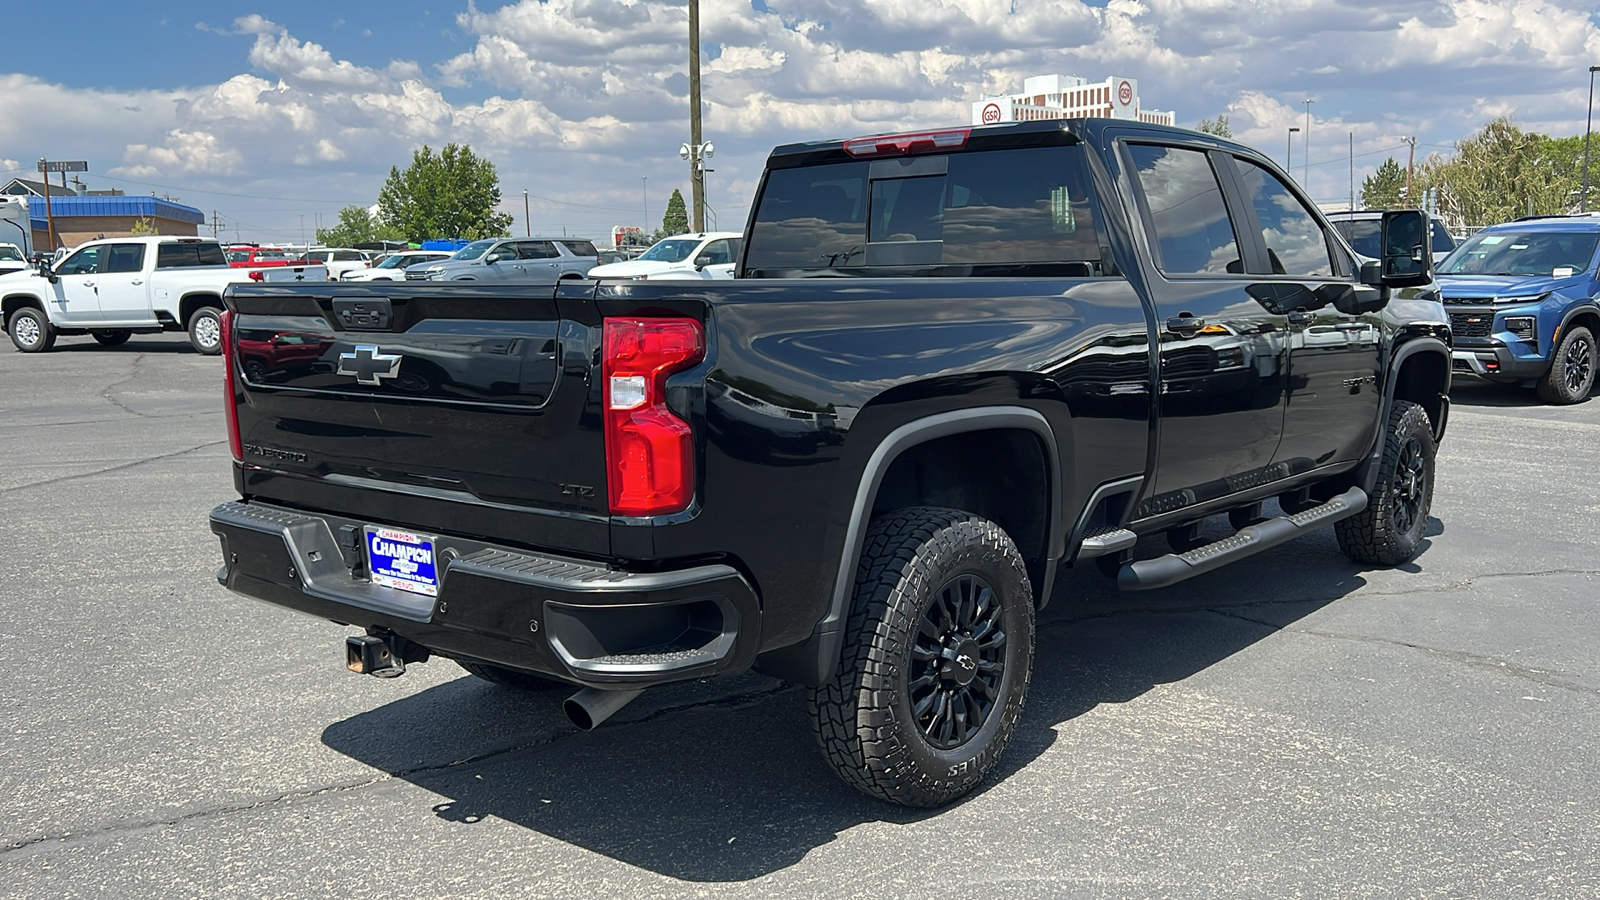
point(476, 412)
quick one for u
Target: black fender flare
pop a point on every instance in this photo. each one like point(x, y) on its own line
point(1369, 467)
point(813, 661)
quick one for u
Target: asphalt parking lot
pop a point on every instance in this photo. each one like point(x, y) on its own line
point(1290, 726)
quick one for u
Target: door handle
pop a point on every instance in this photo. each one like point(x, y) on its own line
point(1185, 325)
point(1302, 317)
point(138, 281)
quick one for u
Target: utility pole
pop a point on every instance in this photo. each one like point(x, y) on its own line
point(1352, 171)
point(696, 180)
point(1411, 159)
point(49, 217)
point(216, 223)
point(527, 217)
point(1288, 153)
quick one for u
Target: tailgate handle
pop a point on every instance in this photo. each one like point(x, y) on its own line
point(364, 314)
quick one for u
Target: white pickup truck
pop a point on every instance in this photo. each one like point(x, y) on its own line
point(118, 287)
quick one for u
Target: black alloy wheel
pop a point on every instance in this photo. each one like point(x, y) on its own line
point(1391, 529)
point(1572, 370)
point(937, 656)
point(958, 661)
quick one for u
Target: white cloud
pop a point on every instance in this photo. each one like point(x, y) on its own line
point(581, 100)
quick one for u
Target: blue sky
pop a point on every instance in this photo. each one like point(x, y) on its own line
point(276, 115)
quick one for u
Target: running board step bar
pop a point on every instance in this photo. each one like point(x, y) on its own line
point(1103, 543)
point(1147, 574)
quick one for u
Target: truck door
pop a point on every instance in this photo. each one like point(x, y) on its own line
point(76, 279)
point(1222, 351)
point(1335, 368)
point(124, 294)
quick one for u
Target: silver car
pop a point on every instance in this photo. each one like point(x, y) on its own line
point(535, 260)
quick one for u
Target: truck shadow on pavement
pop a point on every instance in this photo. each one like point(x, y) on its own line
point(1480, 393)
point(721, 781)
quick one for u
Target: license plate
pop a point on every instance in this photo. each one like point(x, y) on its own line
point(402, 560)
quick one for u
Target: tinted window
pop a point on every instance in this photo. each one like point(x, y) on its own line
point(811, 217)
point(1193, 232)
point(1442, 241)
point(124, 258)
point(180, 256)
point(719, 252)
point(1295, 242)
point(998, 207)
point(84, 262)
point(1363, 235)
point(581, 248)
point(535, 250)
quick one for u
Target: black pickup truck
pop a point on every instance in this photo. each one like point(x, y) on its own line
point(951, 363)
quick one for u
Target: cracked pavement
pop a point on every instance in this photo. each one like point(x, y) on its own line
point(1292, 725)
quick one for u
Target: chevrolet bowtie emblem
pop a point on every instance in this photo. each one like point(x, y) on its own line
point(369, 365)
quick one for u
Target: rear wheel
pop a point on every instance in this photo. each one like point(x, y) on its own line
point(114, 337)
point(1571, 374)
point(511, 678)
point(205, 330)
point(1390, 530)
point(937, 657)
point(30, 331)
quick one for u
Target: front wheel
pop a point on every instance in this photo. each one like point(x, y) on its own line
point(114, 337)
point(938, 652)
point(1571, 374)
point(205, 331)
point(30, 331)
point(1390, 530)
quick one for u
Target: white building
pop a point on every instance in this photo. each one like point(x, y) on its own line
point(1069, 97)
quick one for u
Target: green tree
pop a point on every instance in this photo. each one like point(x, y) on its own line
point(676, 221)
point(1383, 188)
point(1501, 172)
point(449, 194)
point(357, 225)
point(142, 227)
point(1219, 127)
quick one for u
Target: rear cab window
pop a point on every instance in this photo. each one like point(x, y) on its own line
point(1194, 235)
point(191, 255)
point(1021, 211)
point(580, 248)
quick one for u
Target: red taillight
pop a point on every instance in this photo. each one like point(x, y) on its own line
point(902, 144)
point(257, 275)
point(229, 365)
point(649, 450)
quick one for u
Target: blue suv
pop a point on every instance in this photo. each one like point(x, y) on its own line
point(1524, 304)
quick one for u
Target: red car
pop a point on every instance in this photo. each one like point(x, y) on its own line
point(264, 352)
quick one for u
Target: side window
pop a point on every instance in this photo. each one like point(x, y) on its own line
point(124, 258)
point(718, 251)
point(1442, 242)
point(1295, 242)
point(1193, 232)
point(536, 250)
point(84, 262)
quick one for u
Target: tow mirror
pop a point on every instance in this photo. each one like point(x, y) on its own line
point(1407, 252)
point(45, 271)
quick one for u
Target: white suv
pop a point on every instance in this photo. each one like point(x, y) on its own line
point(705, 255)
point(393, 266)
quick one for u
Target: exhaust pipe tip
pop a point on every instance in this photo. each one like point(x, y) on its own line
point(590, 707)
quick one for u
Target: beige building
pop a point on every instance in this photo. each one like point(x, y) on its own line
point(1069, 97)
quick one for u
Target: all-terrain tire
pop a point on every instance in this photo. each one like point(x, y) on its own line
point(30, 330)
point(938, 653)
point(1572, 368)
point(114, 337)
point(1390, 530)
point(205, 330)
point(511, 678)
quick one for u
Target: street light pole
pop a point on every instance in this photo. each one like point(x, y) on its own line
point(1288, 153)
point(1588, 122)
point(527, 218)
point(644, 196)
point(1305, 180)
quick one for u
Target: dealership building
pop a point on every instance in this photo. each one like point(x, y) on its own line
point(83, 215)
point(1069, 97)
